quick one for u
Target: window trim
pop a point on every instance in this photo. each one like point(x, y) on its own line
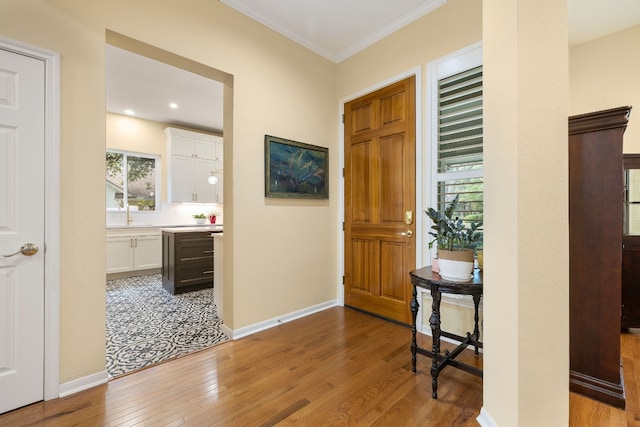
point(158, 180)
point(446, 66)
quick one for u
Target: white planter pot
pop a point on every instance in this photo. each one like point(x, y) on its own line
point(456, 265)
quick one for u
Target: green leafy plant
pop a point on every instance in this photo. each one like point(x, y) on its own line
point(199, 216)
point(450, 233)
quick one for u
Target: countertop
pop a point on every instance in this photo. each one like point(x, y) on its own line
point(201, 227)
point(213, 228)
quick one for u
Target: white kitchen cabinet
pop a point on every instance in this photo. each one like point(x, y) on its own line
point(219, 188)
point(119, 254)
point(218, 276)
point(189, 180)
point(133, 250)
point(219, 151)
point(201, 146)
point(193, 158)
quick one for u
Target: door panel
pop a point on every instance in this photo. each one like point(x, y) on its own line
point(379, 189)
point(360, 184)
point(392, 270)
point(364, 277)
point(391, 187)
point(21, 221)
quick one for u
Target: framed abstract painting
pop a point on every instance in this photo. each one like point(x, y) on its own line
point(295, 169)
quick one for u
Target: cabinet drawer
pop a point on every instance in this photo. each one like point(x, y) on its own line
point(194, 236)
point(186, 253)
point(194, 250)
point(194, 273)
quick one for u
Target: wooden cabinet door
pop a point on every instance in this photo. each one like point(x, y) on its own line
point(379, 190)
point(631, 282)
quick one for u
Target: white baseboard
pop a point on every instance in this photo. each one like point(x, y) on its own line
point(83, 383)
point(485, 420)
point(261, 326)
point(226, 330)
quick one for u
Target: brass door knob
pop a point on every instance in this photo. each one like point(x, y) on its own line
point(27, 249)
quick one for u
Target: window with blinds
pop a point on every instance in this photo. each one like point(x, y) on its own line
point(459, 143)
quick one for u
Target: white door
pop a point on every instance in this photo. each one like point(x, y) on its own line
point(22, 86)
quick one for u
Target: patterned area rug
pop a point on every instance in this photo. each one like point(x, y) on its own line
point(147, 325)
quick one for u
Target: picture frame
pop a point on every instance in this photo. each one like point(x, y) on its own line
point(295, 170)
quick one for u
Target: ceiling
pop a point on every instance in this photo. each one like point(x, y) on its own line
point(335, 29)
point(148, 86)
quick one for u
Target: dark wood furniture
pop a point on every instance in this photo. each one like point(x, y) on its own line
point(631, 247)
point(630, 283)
point(595, 253)
point(425, 278)
point(187, 260)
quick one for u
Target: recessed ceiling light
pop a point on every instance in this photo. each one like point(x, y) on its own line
point(173, 105)
point(129, 112)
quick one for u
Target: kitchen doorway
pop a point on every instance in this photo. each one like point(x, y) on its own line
point(186, 310)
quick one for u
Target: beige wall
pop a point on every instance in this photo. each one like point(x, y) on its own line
point(605, 73)
point(526, 212)
point(283, 253)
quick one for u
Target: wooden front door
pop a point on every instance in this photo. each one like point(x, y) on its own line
point(379, 226)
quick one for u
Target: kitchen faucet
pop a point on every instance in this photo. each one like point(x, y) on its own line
point(129, 217)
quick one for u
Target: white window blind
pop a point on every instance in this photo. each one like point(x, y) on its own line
point(459, 143)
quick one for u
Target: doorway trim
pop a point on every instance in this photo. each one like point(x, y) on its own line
point(417, 72)
point(141, 48)
point(51, 61)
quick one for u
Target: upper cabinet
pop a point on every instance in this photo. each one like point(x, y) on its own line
point(193, 159)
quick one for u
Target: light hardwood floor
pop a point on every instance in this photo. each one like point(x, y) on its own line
point(337, 367)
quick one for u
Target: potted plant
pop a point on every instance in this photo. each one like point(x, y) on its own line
point(480, 255)
point(455, 242)
point(212, 216)
point(200, 218)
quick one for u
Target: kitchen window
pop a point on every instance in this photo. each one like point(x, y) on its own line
point(131, 180)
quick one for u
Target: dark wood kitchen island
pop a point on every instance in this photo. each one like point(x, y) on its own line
point(187, 258)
